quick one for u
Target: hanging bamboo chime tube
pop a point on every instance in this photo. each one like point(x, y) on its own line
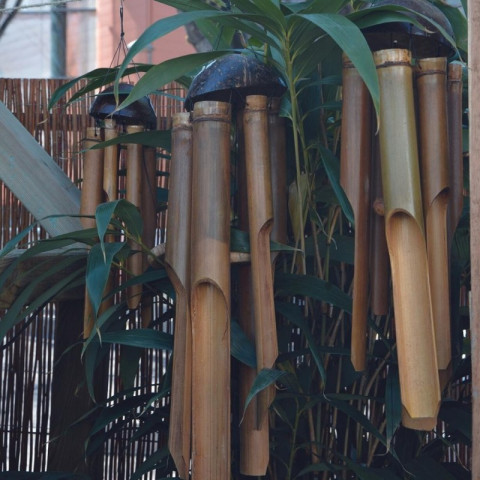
point(254, 438)
point(134, 163)
point(455, 146)
point(260, 221)
point(110, 169)
point(91, 197)
point(431, 76)
point(415, 336)
point(177, 263)
point(379, 268)
point(355, 159)
point(210, 291)
point(149, 219)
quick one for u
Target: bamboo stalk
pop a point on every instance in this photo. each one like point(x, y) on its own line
point(417, 359)
point(355, 158)
point(455, 147)
point(260, 220)
point(177, 263)
point(91, 197)
point(254, 438)
point(210, 296)
point(134, 195)
point(149, 218)
point(379, 269)
point(110, 172)
point(432, 114)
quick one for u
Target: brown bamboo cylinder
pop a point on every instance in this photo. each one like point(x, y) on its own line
point(379, 268)
point(149, 218)
point(177, 263)
point(455, 146)
point(355, 159)
point(210, 294)
point(431, 75)
point(110, 171)
point(134, 195)
point(91, 197)
point(260, 221)
point(254, 438)
point(404, 226)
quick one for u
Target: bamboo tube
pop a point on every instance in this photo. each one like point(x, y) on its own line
point(134, 195)
point(432, 115)
point(149, 218)
point(419, 383)
point(379, 269)
point(254, 438)
point(91, 197)
point(260, 220)
point(455, 147)
point(110, 170)
point(210, 295)
point(355, 158)
point(177, 263)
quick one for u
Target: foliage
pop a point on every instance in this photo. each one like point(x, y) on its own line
point(327, 420)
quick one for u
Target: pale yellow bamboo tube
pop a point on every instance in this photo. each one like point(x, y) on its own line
point(210, 295)
point(254, 438)
point(110, 171)
point(134, 195)
point(278, 171)
point(455, 146)
point(355, 158)
point(177, 263)
point(149, 218)
point(404, 227)
point(91, 197)
point(431, 76)
point(379, 269)
point(260, 221)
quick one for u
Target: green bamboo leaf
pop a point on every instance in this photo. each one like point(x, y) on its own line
point(151, 138)
point(141, 337)
point(12, 244)
point(459, 24)
point(458, 417)
point(99, 264)
point(152, 462)
point(241, 347)
point(393, 403)
point(351, 40)
point(313, 287)
point(332, 167)
point(425, 467)
point(265, 378)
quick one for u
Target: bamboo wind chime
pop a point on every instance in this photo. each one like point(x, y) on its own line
point(101, 183)
point(199, 261)
point(419, 142)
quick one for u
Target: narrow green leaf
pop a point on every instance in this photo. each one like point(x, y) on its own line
point(151, 463)
point(351, 40)
point(241, 347)
point(141, 337)
point(150, 138)
point(393, 403)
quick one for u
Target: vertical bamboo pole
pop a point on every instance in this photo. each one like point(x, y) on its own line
point(355, 159)
point(379, 270)
point(260, 220)
point(210, 295)
point(431, 76)
point(474, 147)
point(149, 218)
point(404, 227)
point(177, 263)
point(91, 196)
point(134, 195)
point(455, 146)
point(110, 172)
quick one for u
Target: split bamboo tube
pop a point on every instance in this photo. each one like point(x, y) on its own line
point(177, 263)
point(355, 159)
point(254, 438)
point(149, 218)
point(134, 195)
point(91, 197)
point(404, 227)
point(431, 75)
point(260, 221)
point(210, 291)
point(455, 147)
point(379, 268)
